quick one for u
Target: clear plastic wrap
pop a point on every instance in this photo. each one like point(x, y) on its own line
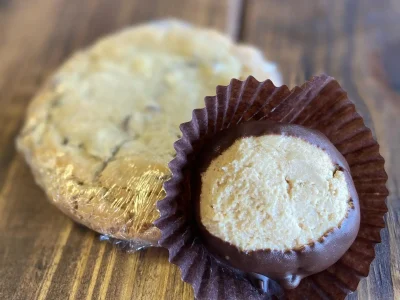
point(100, 133)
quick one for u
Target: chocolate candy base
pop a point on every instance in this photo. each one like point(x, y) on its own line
point(290, 266)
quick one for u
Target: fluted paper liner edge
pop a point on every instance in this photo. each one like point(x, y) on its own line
point(320, 104)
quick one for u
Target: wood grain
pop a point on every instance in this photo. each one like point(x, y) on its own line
point(44, 255)
point(355, 42)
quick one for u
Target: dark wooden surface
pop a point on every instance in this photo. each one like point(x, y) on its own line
point(44, 255)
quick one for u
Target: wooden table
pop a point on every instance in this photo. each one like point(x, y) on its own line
point(44, 255)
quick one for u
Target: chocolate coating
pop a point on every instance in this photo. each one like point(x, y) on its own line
point(290, 266)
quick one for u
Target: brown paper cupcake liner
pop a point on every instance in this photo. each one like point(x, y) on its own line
point(319, 104)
